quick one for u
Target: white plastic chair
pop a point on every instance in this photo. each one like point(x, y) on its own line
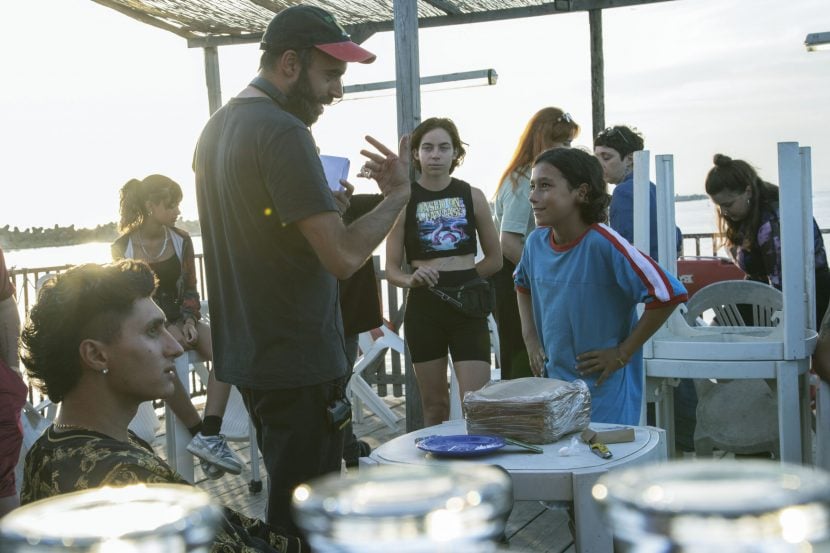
point(236, 422)
point(781, 353)
point(735, 352)
point(723, 417)
point(721, 299)
point(495, 346)
point(359, 391)
point(34, 424)
point(146, 423)
point(176, 434)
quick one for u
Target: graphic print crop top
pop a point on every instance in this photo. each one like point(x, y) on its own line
point(440, 224)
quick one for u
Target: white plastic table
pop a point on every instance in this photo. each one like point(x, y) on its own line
point(548, 476)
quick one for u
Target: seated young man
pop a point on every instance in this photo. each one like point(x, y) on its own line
point(96, 342)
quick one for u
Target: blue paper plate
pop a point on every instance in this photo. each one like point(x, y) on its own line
point(461, 445)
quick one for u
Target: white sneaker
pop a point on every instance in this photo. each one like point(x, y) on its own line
point(210, 470)
point(215, 450)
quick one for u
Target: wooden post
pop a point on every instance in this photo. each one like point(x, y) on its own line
point(408, 77)
point(597, 72)
point(214, 84)
point(407, 68)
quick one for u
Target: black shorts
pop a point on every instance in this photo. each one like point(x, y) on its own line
point(433, 327)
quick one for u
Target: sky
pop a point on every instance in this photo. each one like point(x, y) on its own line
point(90, 98)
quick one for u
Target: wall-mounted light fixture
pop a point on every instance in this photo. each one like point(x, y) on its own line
point(817, 41)
point(480, 77)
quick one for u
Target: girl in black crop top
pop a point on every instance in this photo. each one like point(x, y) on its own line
point(439, 232)
point(149, 209)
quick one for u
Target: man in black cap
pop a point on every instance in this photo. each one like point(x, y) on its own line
point(275, 246)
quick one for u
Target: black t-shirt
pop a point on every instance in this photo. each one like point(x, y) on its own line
point(275, 314)
point(440, 223)
point(167, 293)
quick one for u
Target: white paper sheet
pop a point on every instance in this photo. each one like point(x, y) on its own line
point(336, 168)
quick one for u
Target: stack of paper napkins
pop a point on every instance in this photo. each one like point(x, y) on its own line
point(533, 410)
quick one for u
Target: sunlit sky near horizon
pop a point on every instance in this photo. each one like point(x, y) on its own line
point(90, 98)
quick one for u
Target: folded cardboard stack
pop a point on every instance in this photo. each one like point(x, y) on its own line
point(533, 410)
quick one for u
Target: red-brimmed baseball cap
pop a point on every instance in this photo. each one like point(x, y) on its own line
point(305, 26)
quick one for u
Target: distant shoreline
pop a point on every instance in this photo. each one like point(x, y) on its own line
point(40, 237)
point(690, 197)
point(57, 236)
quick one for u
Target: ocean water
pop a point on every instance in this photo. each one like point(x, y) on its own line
point(91, 252)
point(693, 217)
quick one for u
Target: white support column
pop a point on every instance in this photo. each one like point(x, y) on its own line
point(789, 412)
point(809, 298)
point(809, 244)
point(792, 250)
point(641, 208)
point(667, 248)
point(641, 231)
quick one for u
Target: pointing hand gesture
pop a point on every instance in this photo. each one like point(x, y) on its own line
point(388, 169)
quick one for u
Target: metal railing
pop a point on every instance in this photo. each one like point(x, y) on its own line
point(388, 378)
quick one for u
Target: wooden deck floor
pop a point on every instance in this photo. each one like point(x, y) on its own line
point(531, 527)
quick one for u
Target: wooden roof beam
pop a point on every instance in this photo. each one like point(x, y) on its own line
point(445, 6)
point(144, 18)
point(363, 31)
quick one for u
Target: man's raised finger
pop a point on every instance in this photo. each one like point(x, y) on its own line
point(403, 147)
point(377, 158)
point(377, 144)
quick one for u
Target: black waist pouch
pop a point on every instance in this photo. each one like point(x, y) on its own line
point(475, 298)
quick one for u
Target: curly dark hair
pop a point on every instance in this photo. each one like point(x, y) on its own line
point(736, 175)
point(438, 123)
point(86, 302)
point(621, 138)
point(578, 167)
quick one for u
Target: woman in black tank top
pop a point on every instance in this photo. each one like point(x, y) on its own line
point(443, 223)
point(149, 210)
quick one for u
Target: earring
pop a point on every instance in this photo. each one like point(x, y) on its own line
point(105, 371)
point(747, 202)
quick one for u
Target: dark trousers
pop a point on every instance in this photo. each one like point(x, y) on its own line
point(296, 441)
point(512, 351)
point(351, 449)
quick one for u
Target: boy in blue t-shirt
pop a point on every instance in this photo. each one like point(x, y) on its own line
point(579, 283)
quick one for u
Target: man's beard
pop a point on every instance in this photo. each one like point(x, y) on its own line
point(300, 101)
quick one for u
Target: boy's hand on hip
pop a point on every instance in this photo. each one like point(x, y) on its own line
point(602, 361)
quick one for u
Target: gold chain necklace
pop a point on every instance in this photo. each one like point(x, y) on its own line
point(163, 246)
point(62, 426)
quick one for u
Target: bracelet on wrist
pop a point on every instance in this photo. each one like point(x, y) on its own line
point(622, 359)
